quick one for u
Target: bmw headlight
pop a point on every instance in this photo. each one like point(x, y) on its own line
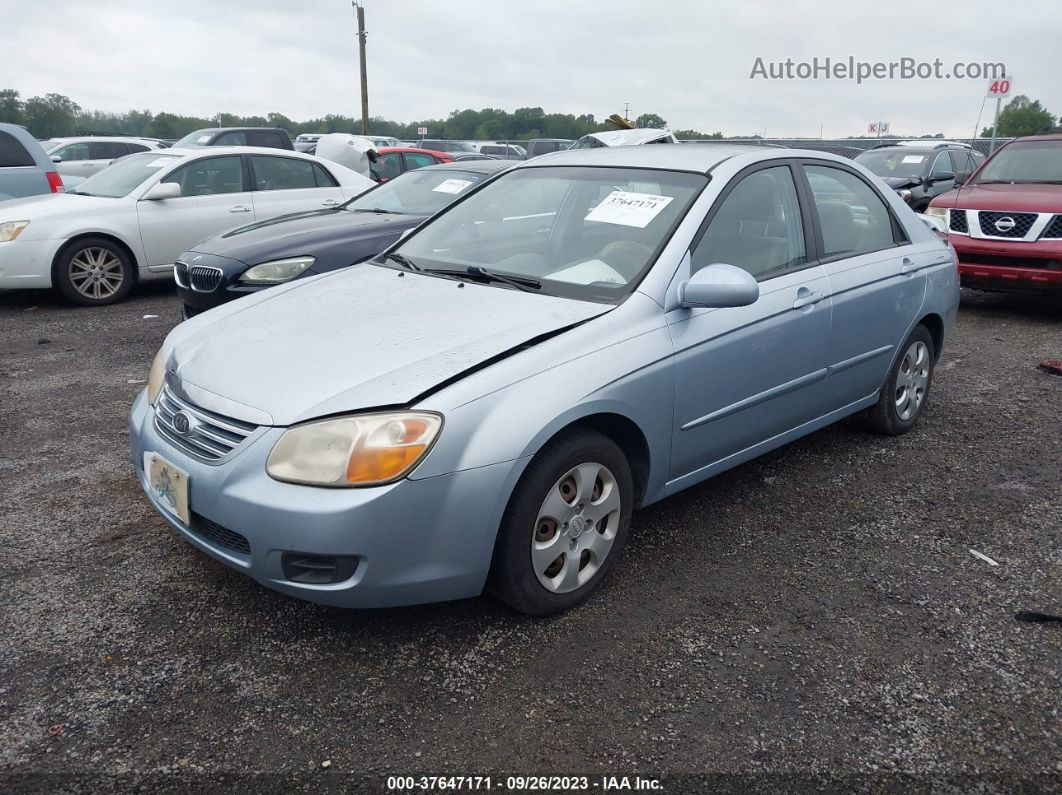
point(156, 377)
point(277, 271)
point(356, 450)
point(11, 229)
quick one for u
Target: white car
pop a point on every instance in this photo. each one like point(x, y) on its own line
point(85, 155)
point(131, 221)
point(635, 137)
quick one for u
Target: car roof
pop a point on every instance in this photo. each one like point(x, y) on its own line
point(236, 129)
point(480, 166)
point(1046, 137)
point(217, 151)
point(386, 150)
point(698, 158)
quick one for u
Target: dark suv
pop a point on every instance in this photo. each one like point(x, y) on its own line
point(269, 137)
point(921, 170)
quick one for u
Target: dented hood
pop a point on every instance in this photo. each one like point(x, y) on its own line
point(360, 338)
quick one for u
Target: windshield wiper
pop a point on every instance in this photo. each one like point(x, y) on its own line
point(519, 282)
point(377, 210)
point(405, 262)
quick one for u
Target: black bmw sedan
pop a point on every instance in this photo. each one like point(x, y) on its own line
point(278, 250)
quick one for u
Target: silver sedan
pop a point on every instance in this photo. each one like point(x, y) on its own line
point(484, 405)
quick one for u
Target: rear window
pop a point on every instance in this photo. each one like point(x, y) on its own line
point(12, 153)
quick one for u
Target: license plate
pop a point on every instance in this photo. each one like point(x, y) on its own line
point(169, 484)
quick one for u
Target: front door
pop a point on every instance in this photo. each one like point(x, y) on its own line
point(744, 375)
point(214, 197)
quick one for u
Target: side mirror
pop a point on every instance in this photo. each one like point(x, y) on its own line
point(719, 285)
point(941, 176)
point(163, 190)
point(57, 159)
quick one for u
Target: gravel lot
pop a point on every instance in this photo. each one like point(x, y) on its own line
point(813, 618)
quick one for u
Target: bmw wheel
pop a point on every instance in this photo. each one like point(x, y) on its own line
point(565, 524)
point(907, 388)
point(93, 272)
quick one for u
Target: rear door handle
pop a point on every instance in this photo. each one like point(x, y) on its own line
point(806, 298)
point(329, 203)
point(240, 208)
point(907, 266)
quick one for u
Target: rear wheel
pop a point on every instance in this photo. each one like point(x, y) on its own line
point(907, 388)
point(565, 524)
point(94, 272)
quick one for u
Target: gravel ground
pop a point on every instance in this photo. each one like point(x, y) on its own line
point(812, 619)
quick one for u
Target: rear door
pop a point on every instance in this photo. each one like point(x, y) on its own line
point(876, 276)
point(285, 185)
point(214, 197)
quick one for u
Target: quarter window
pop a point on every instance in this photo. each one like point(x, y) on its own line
point(852, 216)
point(282, 173)
point(757, 227)
point(322, 177)
point(209, 176)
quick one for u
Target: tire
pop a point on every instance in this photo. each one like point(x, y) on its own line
point(93, 271)
point(906, 390)
point(587, 550)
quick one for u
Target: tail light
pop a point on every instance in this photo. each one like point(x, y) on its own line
point(55, 182)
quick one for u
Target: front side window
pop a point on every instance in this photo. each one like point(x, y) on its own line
point(582, 232)
point(942, 166)
point(387, 166)
point(282, 173)
point(416, 192)
point(963, 162)
point(757, 228)
point(418, 160)
point(852, 216)
point(230, 139)
point(122, 177)
point(1025, 162)
point(208, 176)
point(73, 152)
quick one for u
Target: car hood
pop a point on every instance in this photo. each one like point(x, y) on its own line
point(364, 337)
point(55, 205)
point(899, 183)
point(301, 233)
point(1032, 197)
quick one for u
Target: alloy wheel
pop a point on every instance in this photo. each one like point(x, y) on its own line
point(96, 272)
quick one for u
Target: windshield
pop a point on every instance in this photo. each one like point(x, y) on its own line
point(894, 164)
point(581, 232)
point(586, 142)
point(1028, 161)
point(417, 192)
point(197, 138)
point(121, 177)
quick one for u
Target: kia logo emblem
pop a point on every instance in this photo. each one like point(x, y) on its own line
point(1005, 224)
point(182, 423)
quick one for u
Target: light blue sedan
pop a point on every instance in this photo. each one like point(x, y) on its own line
point(487, 403)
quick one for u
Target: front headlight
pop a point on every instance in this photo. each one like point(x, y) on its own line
point(156, 377)
point(357, 450)
point(277, 271)
point(939, 212)
point(11, 229)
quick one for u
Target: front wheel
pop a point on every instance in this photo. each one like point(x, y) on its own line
point(565, 524)
point(94, 272)
point(907, 388)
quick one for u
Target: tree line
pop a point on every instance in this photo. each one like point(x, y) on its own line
point(56, 115)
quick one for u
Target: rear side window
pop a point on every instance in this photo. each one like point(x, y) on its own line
point(269, 140)
point(108, 150)
point(492, 150)
point(323, 178)
point(12, 153)
point(852, 216)
point(138, 148)
point(282, 173)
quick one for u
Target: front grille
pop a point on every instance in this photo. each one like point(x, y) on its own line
point(957, 222)
point(214, 533)
point(1022, 223)
point(204, 279)
point(180, 273)
point(1054, 229)
point(208, 437)
point(1010, 262)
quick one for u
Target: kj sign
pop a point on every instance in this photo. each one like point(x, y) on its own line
point(878, 127)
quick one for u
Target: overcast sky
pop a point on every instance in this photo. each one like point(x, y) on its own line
point(688, 61)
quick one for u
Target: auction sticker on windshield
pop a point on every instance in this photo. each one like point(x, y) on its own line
point(452, 186)
point(628, 209)
point(169, 485)
point(913, 158)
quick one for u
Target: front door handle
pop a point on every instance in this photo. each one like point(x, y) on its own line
point(240, 208)
point(806, 297)
point(907, 266)
point(329, 203)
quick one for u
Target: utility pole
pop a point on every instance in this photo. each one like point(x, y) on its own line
point(995, 124)
point(627, 111)
point(360, 14)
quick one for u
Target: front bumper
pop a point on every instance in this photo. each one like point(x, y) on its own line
point(1009, 267)
point(27, 264)
point(414, 541)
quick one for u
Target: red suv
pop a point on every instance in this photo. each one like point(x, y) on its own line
point(1005, 222)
